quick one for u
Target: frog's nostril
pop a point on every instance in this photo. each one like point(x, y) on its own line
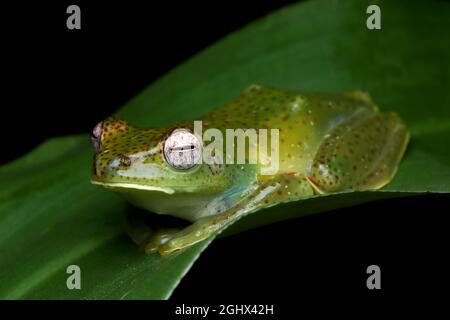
point(96, 136)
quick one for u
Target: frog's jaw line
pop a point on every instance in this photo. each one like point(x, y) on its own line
point(125, 185)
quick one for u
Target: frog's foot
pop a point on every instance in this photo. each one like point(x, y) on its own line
point(359, 95)
point(157, 239)
point(148, 238)
point(153, 237)
point(198, 231)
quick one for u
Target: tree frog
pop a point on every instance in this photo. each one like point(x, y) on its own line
point(327, 142)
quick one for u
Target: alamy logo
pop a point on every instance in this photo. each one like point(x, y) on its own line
point(374, 280)
point(374, 20)
point(74, 20)
point(184, 150)
point(74, 280)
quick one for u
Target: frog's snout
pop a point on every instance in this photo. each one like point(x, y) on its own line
point(104, 139)
point(105, 130)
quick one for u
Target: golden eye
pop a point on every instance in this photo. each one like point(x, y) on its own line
point(182, 150)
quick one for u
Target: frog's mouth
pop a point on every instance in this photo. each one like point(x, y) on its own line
point(126, 185)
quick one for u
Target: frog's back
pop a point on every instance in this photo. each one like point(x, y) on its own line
point(303, 119)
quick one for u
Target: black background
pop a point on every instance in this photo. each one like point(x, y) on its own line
point(58, 82)
point(61, 81)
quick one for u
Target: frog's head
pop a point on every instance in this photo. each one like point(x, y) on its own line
point(158, 169)
point(159, 159)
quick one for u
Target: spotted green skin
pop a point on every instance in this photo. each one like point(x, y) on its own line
point(328, 142)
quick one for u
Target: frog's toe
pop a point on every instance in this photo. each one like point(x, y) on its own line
point(168, 248)
point(157, 240)
point(359, 95)
point(177, 243)
point(189, 236)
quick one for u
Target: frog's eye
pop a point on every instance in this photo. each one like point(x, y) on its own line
point(182, 150)
point(96, 136)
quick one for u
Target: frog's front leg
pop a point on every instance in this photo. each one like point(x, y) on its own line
point(202, 229)
point(270, 192)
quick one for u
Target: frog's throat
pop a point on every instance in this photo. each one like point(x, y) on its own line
point(124, 185)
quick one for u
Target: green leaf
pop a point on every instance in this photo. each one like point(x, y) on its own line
point(51, 217)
